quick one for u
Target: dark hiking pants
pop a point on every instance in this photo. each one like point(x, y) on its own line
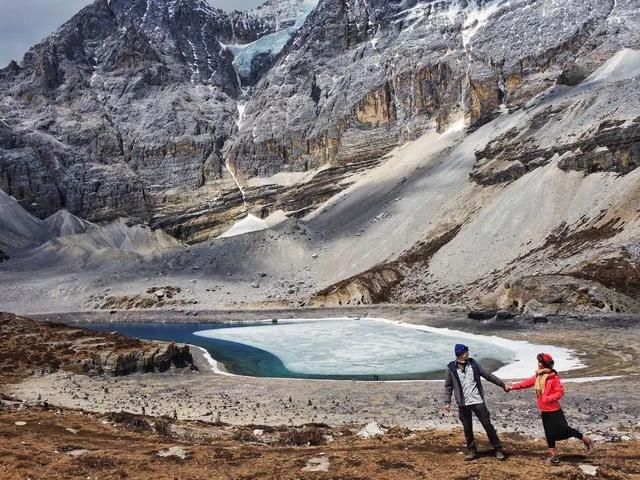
point(466, 417)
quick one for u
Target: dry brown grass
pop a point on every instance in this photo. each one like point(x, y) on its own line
point(124, 448)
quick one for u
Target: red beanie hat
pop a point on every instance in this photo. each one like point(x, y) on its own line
point(546, 359)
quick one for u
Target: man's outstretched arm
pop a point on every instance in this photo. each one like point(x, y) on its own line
point(490, 376)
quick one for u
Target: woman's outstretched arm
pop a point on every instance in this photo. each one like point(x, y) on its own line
point(528, 383)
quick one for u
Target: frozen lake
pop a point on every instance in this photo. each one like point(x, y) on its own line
point(344, 348)
point(353, 348)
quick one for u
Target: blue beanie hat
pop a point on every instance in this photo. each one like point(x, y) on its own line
point(460, 349)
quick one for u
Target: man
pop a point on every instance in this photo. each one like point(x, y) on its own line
point(463, 379)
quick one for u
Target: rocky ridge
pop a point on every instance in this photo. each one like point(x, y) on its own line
point(55, 346)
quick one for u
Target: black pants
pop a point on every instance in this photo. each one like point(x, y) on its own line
point(556, 428)
point(466, 417)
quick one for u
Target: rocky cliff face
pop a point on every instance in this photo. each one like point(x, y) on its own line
point(362, 77)
point(159, 359)
point(148, 93)
point(126, 101)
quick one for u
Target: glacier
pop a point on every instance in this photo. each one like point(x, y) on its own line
point(272, 43)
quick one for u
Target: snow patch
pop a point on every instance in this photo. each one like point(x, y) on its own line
point(475, 19)
point(248, 224)
point(371, 430)
point(215, 366)
point(241, 108)
point(591, 379)
point(251, 223)
point(195, 69)
point(235, 179)
point(287, 179)
point(457, 126)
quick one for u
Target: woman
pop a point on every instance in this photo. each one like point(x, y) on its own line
point(549, 391)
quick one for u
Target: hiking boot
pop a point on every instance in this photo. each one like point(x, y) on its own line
point(554, 460)
point(472, 455)
point(588, 443)
point(500, 455)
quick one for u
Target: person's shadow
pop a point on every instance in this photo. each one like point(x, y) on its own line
point(569, 458)
point(574, 458)
point(490, 453)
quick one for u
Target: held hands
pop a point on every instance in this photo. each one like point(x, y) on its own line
point(507, 388)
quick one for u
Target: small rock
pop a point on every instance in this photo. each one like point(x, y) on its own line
point(78, 452)
point(589, 470)
point(179, 452)
point(160, 293)
point(21, 424)
point(317, 464)
point(255, 285)
point(258, 433)
point(371, 430)
point(72, 430)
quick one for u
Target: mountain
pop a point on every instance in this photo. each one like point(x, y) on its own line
point(126, 101)
point(478, 152)
point(362, 77)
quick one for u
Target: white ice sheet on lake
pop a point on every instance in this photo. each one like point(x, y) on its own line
point(354, 347)
point(377, 346)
